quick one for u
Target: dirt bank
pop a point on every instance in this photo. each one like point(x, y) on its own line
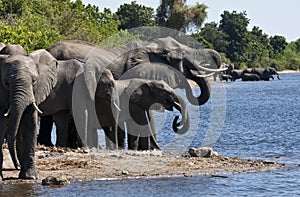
point(79, 165)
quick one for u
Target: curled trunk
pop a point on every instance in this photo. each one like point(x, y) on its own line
point(185, 119)
point(204, 88)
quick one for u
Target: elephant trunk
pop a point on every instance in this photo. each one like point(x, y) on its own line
point(185, 119)
point(277, 75)
point(19, 101)
point(204, 88)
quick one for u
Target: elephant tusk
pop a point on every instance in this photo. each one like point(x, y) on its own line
point(212, 70)
point(7, 113)
point(205, 76)
point(115, 104)
point(36, 108)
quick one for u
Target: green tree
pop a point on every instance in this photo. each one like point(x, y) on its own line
point(257, 51)
point(135, 15)
point(278, 44)
point(213, 35)
point(40, 23)
point(235, 26)
point(175, 14)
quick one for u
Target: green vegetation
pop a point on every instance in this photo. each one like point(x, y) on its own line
point(248, 48)
point(37, 24)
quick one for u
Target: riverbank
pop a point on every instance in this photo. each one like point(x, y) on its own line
point(288, 71)
point(79, 165)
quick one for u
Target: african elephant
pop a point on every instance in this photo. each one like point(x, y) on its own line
point(164, 50)
point(13, 49)
point(135, 97)
point(23, 90)
point(226, 78)
point(59, 103)
point(236, 74)
point(250, 77)
point(265, 73)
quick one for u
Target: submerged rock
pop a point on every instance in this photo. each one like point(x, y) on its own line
point(202, 152)
point(51, 180)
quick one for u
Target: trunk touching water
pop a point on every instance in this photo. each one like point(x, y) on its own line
point(185, 119)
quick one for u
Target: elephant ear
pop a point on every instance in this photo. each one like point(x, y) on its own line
point(93, 70)
point(135, 90)
point(47, 68)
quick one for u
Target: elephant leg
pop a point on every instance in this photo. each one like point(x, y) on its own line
point(61, 120)
point(149, 142)
point(110, 138)
point(121, 138)
point(2, 135)
point(132, 137)
point(44, 137)
point(73, 139)
point(28, 134)
point(92, 138)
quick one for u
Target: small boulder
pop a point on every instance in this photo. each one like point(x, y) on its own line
point(51, 180)
point(202, 152)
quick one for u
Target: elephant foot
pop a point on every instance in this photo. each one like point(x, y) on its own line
point(45, 142)
point(29, 174)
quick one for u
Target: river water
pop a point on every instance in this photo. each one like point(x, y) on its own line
point(257, 120)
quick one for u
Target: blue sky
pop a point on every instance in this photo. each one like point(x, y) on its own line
point(273, 17)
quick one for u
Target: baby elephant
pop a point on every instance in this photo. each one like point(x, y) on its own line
point(130, 102)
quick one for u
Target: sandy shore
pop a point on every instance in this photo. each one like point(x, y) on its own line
point(288, 71)
point(79, 165)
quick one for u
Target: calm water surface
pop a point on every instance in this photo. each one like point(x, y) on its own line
point(258, 120)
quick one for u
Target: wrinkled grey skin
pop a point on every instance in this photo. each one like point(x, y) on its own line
point(59, 102)
point(164, 50)
point(13, 49)
point(250, 77)
point(23, 87)
point(141, 95)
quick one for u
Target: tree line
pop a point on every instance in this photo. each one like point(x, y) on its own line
point(37, 24)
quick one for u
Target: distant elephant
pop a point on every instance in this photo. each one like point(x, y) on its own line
point(250, 77)
point(13, 49)
point(22, 89)
point(135, 97)
point(265, 73)
point(164, 50)
point(226, 78)
point(236, 74)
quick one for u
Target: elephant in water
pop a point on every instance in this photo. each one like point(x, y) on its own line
point(135, 97)
point(250, 77)
point(265, 73)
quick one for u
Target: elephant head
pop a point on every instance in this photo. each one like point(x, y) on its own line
point(170, 75)
point(13, 49)
point(184, 59)
point(273, 71)
point(149, 94)
point(28, 81)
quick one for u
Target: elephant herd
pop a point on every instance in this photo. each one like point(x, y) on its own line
point(81, 88)
point(250, 74)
